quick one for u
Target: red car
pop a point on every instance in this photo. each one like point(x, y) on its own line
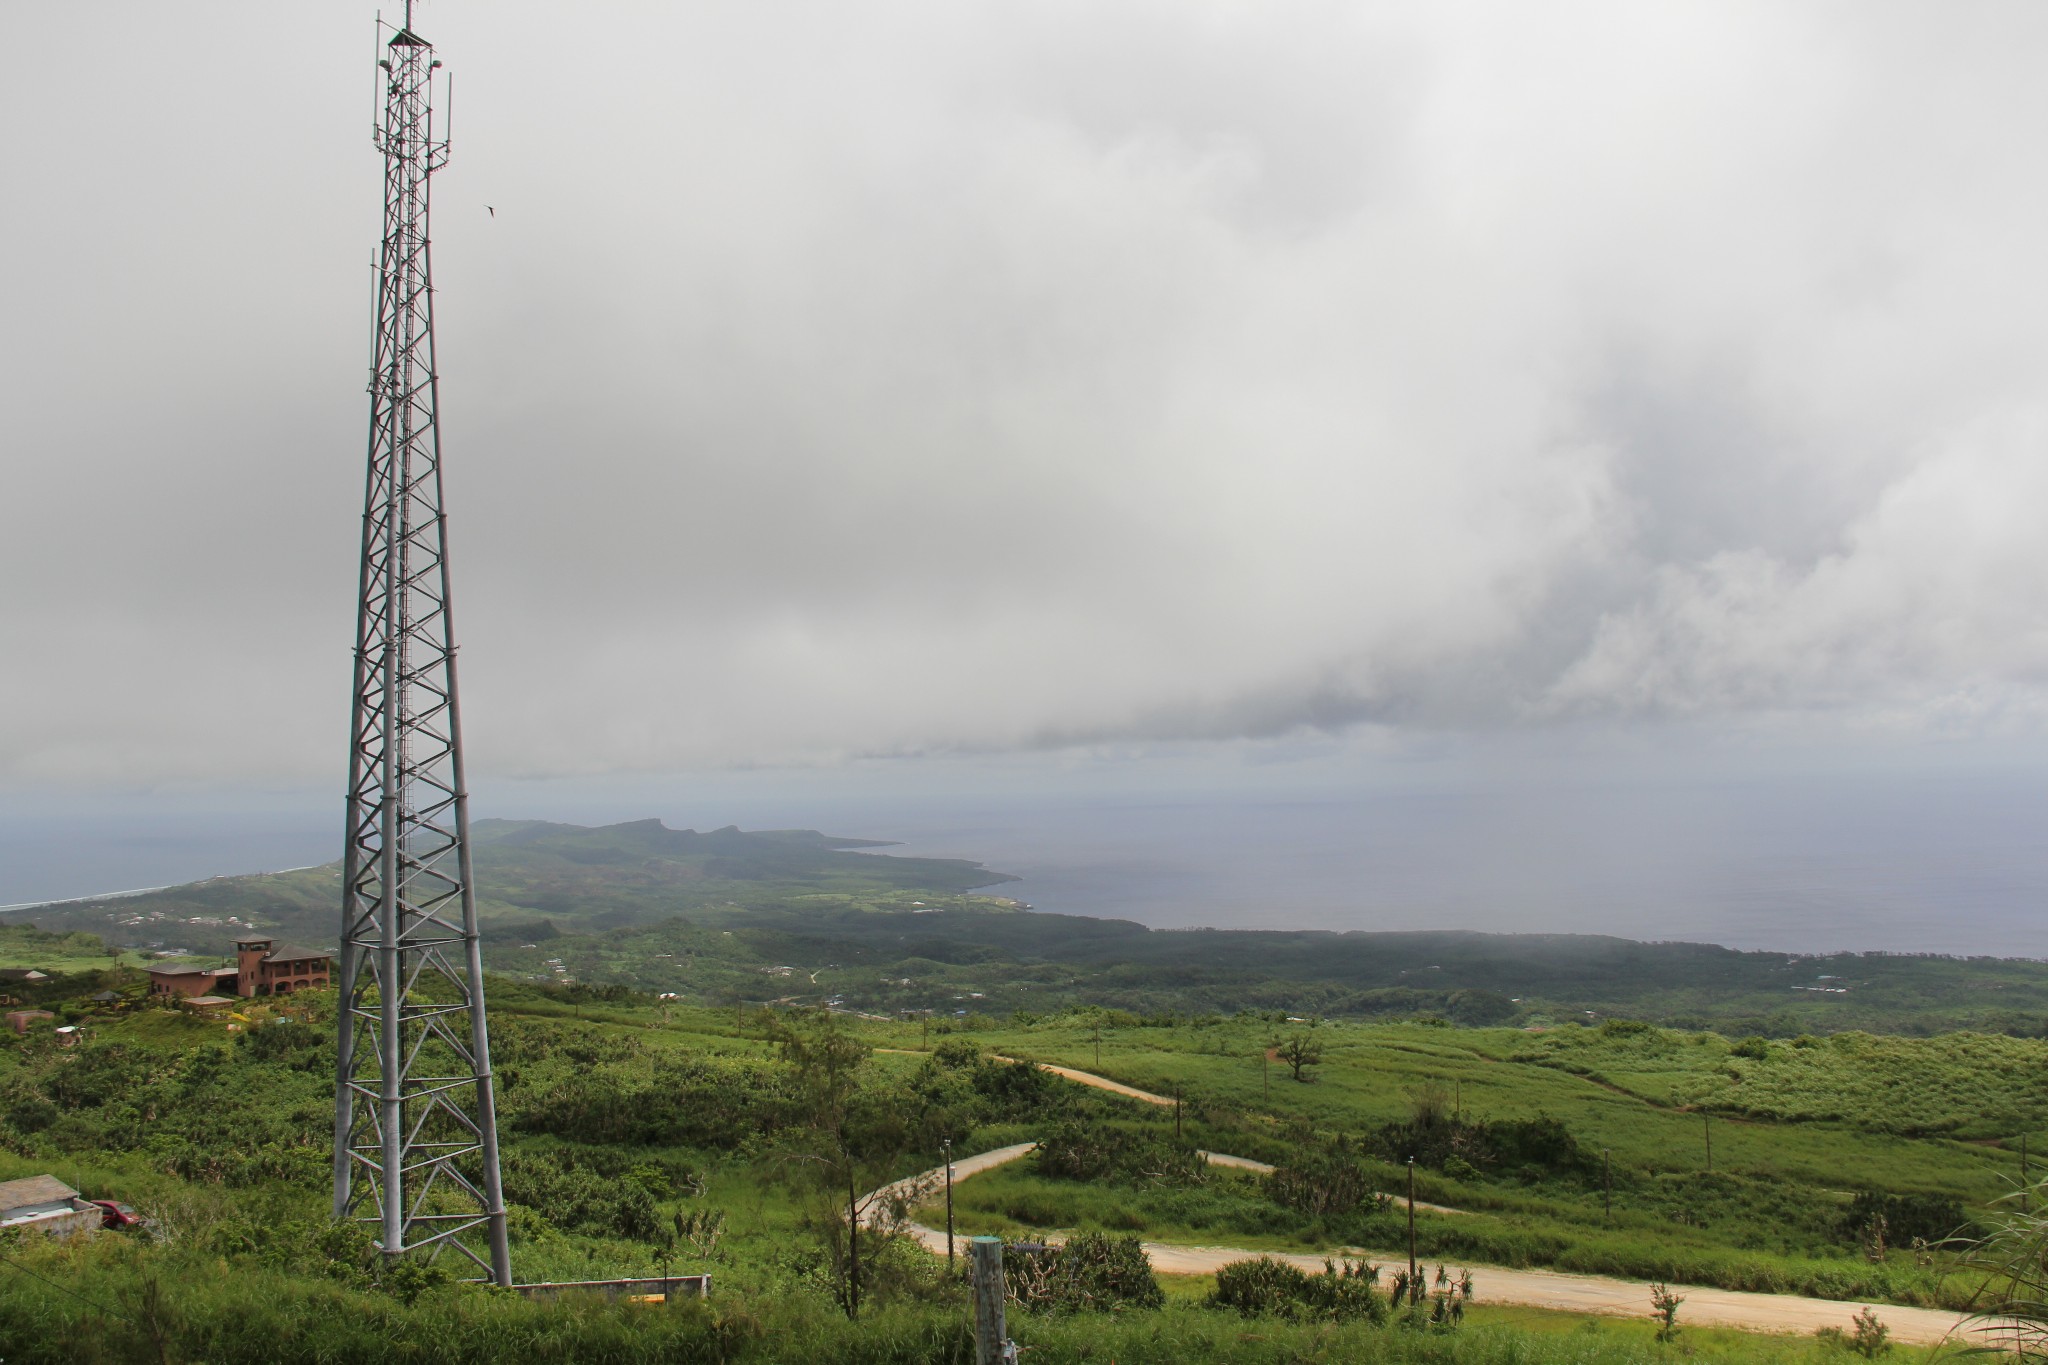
point(113, 1215)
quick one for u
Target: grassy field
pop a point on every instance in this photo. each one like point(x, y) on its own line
point(23, 946)
point(1370, 1074)
point(619, 1114)
point(1770, 1215)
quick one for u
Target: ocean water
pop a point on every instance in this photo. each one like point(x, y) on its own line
point(1952, 862)
point(1953, 867)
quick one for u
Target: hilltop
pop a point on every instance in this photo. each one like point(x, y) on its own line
point(538, 878)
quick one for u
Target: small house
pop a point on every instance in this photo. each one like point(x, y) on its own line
point(19, 1020)
point(43, 1203)
point(206, 1004)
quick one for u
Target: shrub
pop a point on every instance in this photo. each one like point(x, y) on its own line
point(1268, 1288)
point(1092, 1272)
point(1320, 1187)
point(1664, 1308)
point(1905, 1217)
point(1095, 1152)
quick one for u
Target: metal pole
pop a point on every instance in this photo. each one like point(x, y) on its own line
point(1606, 1184)
point(991, 1335)
point(1411, 1228)
point(1176, 1111)
point(949, 1202)
point(1098, 1045)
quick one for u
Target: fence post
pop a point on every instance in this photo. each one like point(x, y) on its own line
point(991, 1344)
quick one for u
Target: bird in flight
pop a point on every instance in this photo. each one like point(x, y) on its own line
point(493, 212)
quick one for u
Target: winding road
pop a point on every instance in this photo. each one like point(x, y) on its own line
point(1554, 1289)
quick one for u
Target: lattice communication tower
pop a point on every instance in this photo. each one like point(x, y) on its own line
point(415, 1121)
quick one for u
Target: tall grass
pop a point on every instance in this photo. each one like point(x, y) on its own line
point(194, 1315)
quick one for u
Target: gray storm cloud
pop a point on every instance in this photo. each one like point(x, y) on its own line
point(875, 379)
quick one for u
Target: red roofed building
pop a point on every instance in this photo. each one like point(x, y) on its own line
point(270, 968)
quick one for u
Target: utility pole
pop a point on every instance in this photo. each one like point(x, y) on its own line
point(1707, 1126)
point(1411, 1228)
point(415, 1113)
point(1266, 1073)
point(1098, 1045)
point(1458, 1102)
point(1606, 1184)
point(2025, 1183)
point(949, 1202)
point(1176, 1111)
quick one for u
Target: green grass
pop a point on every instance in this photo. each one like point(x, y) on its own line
point(1965, 1085)
point(1370, 1073)
point(229, 1155)
point(263, 1314)
point(23, 945)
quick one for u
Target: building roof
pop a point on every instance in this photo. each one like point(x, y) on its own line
point(22, 974)
point(206, 1001)
point(106, 997)
point(182, 970)
point(287, 953)
point(36, 1189)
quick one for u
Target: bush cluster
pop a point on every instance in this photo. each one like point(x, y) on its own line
point(1087, 1151)
point(1268, 1288)
point(1091, 1272)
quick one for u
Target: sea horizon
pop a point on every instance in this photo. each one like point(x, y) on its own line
point(1944, 863)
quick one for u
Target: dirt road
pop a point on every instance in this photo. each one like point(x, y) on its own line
point(1615, 1298)
point(1535, 1288)
point(1569, 1293)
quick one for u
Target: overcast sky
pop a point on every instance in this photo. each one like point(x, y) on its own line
point(893, 378)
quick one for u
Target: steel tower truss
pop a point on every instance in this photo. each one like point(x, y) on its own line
point(415, 1124)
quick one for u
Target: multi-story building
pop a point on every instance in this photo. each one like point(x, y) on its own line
point(265, 967)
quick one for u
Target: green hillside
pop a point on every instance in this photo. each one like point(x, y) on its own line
point(803, 918)
point(620, 1114)
point(536, 878)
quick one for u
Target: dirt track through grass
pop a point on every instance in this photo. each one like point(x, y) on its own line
point(1559, 1290)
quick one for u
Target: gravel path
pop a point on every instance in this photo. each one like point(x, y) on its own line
point(1597, 1294)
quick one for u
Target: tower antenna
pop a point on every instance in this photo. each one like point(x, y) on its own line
point(415, 1117)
